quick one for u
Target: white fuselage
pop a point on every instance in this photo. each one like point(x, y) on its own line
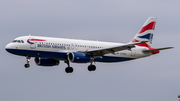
point(58, 48)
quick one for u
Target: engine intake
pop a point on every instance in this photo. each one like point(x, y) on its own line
point(79, 57)
point(46, 62)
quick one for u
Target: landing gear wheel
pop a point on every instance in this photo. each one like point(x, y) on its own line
point(26, 65)
point(69, 70)
point(91, 67)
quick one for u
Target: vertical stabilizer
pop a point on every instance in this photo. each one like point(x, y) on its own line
point(146, 32)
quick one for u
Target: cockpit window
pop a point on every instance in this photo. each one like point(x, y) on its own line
point(17, 41)
point(14, 41)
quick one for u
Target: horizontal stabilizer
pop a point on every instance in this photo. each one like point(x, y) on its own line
point(157, 49)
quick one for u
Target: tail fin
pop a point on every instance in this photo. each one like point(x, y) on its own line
point(146, 32)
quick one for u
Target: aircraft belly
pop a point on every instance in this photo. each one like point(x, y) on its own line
point(36, 53)
point(114, 59)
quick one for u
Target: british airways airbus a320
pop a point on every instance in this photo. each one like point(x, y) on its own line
point(48, 51)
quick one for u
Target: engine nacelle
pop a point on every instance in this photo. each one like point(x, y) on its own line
point(46, 62)
point(78, 57)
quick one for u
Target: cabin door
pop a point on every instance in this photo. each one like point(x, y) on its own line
point(133, 52)
point(32, 42)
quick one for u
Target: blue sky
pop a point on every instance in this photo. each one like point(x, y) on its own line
point(154, 78)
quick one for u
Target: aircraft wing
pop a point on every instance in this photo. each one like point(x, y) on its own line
point(103, 51)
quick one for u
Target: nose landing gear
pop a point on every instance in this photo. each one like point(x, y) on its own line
point(27, 65)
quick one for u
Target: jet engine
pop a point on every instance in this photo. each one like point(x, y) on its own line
point(46, 62)
point(79, 57)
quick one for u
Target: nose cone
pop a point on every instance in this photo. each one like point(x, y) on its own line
point(8, 47)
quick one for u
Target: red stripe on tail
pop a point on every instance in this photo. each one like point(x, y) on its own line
point(150, 26)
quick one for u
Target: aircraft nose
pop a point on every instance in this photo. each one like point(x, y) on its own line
point(8, 47)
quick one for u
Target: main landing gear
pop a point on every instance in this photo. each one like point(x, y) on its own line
point(91, 67)
point(70, 69)
point(27, 65)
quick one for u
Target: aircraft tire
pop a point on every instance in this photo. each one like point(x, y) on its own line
point(91, 67)
point(69, 70)
point(26, 65)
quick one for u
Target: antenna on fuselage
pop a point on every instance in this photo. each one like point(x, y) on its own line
point(30, 34)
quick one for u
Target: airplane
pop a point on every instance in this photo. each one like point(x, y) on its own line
point(49, 51)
